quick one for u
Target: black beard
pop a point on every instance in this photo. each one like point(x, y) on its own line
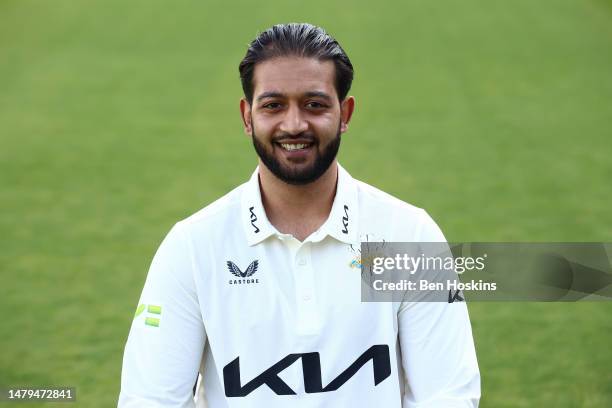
point(322, 162)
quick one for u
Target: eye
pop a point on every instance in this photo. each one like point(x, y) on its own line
point(272, 106)
point(315, 105)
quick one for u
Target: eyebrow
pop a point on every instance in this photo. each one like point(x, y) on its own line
point(270, 95)
point(318, 94)
point(311, 94)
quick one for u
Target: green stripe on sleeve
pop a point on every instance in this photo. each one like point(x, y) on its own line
point(154, 309)
point(139, 310)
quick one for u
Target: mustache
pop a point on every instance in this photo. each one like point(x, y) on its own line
point(307, 137)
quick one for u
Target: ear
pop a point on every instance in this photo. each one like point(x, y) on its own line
point(346, 112)
point(245, 113)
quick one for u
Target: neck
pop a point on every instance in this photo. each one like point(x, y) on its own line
point(298, 210)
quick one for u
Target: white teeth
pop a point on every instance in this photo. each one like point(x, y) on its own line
point(294, 146)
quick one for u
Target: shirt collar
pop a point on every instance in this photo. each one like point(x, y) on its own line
point(254, 219)
point(342, 222)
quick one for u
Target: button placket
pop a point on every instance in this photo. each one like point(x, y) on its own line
point(305, 296)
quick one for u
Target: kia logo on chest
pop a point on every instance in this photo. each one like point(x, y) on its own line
point(379, 354)
point(243, 277)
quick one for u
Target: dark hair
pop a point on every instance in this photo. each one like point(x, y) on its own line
point(296, 39)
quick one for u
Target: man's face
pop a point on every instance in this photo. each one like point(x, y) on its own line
point(295, 119)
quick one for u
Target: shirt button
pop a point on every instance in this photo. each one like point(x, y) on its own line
point(301, 262)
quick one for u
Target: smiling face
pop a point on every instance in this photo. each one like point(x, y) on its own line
point(295, 118)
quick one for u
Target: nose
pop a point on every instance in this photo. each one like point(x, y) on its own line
point(293, 122)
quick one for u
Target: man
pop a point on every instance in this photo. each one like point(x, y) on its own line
point(256, 292)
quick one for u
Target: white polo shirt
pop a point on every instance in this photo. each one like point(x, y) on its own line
point(270, 321)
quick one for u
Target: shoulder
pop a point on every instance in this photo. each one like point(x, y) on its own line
point(371, 196)
point(407, 221)
point(220, 213)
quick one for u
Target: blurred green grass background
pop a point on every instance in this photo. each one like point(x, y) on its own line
point(119, 118)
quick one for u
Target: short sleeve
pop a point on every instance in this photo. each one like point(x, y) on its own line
point(166, 340)
point(437, 348)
